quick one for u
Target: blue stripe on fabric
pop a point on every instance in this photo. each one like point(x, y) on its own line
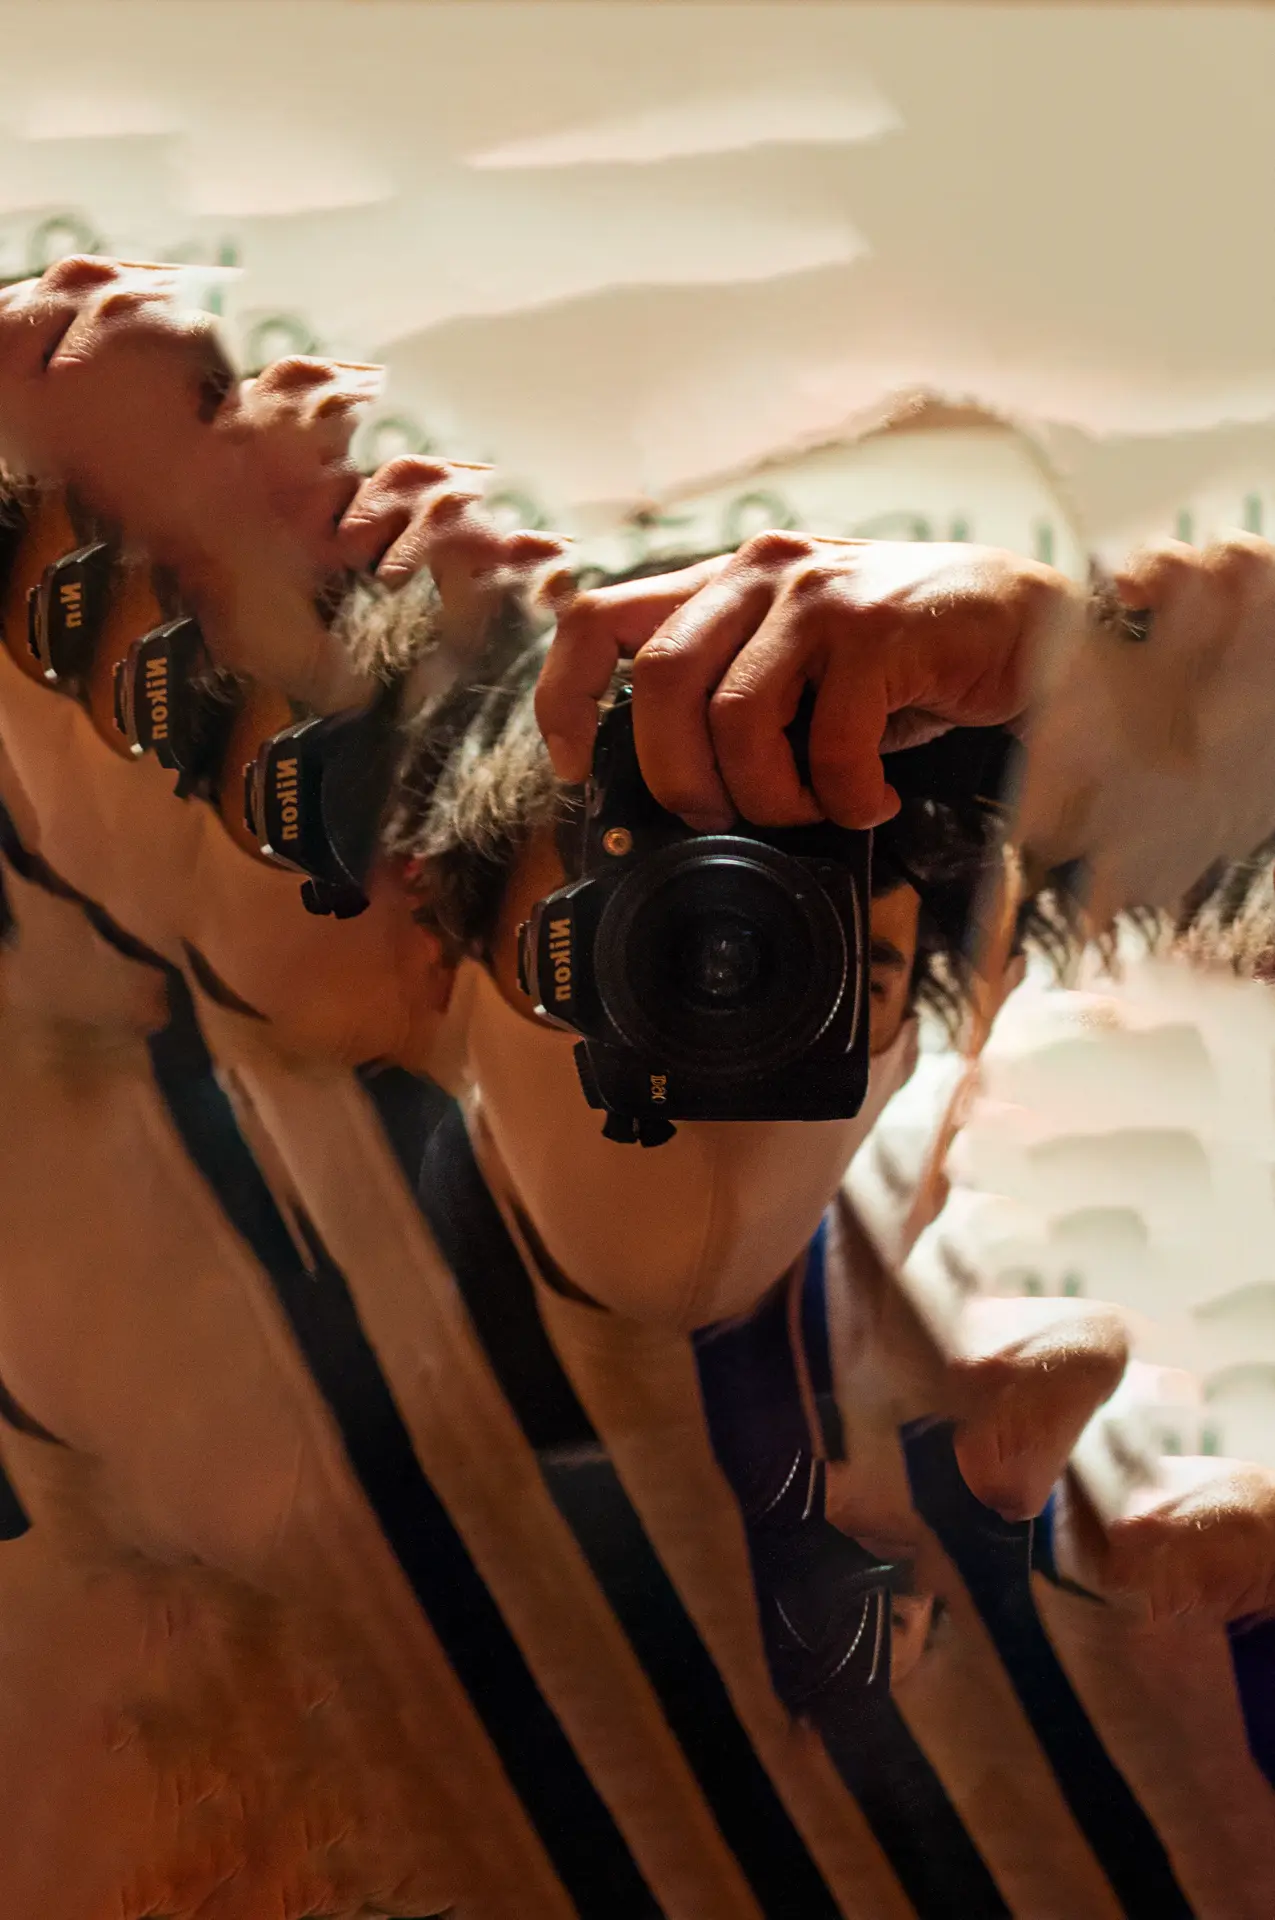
point(993, 1557)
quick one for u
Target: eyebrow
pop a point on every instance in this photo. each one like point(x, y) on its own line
point(884, 953)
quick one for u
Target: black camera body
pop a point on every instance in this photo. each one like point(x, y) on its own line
point(711, 976)
point(314, 798)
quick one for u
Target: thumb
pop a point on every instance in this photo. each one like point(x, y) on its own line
point(1028, 1392)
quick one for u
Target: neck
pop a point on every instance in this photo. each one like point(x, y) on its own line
point(535, 1255)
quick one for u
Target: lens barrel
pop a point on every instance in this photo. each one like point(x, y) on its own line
point(722, 953)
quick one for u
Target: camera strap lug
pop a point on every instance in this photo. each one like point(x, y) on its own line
point(627, 1130)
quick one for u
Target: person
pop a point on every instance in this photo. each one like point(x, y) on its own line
point(403, 1467)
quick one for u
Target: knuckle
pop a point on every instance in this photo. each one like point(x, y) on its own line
point(659, 668)
point(407, 472)
point(1029, 592)
point(337, 405)
point(773, 548)
point(815, 580)
point(453, 505)
point(127, 303)
point(296, 373)
point(983, 1379)
point(76, 271)
point(1237, 556)
point(1136, 1541)
point(731, 716)
point(1162, 565)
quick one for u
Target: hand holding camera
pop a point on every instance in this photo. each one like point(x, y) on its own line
point(899, 639)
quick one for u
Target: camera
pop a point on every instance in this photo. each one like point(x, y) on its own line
point(720, 976)
point(314, 798)
point(65, 612)
point(710, 975)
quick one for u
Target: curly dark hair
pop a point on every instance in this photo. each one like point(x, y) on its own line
point(477, 783)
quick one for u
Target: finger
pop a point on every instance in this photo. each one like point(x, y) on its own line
point(578, 668)
point(31, 324)
point(368, 530)
point(124, 405)
point(402, 481)
point(755, 701)
point(847, 729)
point(675, 680)
point(450, 535)
point(300, 370)
point(758, 698)
point(295, 373)
point(336, 413)
point(511, 555)
point(528, 547)
point(1158, 571)
point(35, 317)
point(1028, 1398)
point(316, 403)
point(594, 632)
point(1204, 1545)
point(383, 507)
point(1200, 603)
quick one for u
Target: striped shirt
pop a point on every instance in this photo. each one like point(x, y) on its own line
point(551, 1579)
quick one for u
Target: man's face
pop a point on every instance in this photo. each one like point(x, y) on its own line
point(894, 927)
point(718, 1213)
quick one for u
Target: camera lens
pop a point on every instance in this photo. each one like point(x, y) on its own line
point(722, 954)
point(720, 964)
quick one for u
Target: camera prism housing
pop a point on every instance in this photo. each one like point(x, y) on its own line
point(314, 798)
point(710, 976)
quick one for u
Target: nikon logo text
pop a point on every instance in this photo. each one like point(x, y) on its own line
point(71, 597)
point(155, 687)
point(560, 958)
point(286, 797)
